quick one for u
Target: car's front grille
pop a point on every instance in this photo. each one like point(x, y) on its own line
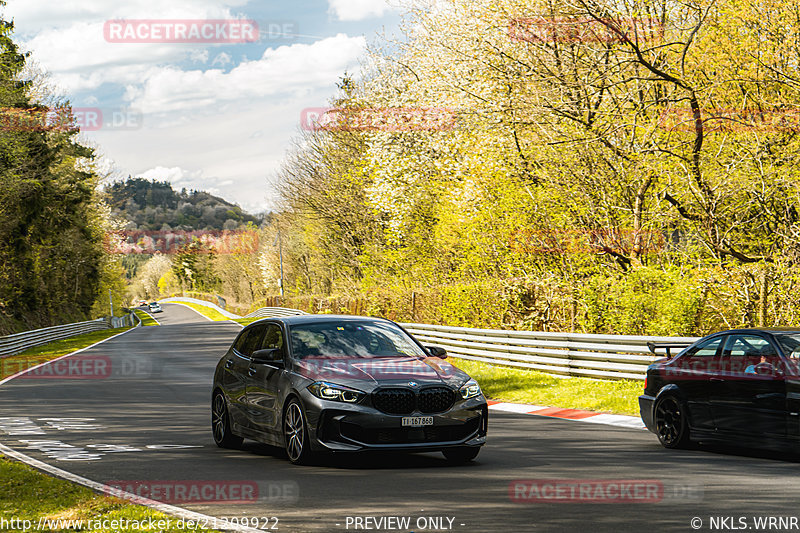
point(435, 400)
point(402, 401)
point(394, 401)
point(410, 435)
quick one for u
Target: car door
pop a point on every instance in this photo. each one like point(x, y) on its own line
point(234, 373)
point(693, 373)
point(263, 383)
point(750, 401)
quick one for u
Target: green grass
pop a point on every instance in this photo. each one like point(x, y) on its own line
point(146, 319)
point(246, 321)
point(40, 354)
point(529, 386)
point(208, 312)
point(27, 494)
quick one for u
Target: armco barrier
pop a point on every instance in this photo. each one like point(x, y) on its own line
point(19, 342)
point(568, 354)
point(275, 311)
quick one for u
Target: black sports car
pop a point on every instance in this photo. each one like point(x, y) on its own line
point(741, 385)
point(342, 384)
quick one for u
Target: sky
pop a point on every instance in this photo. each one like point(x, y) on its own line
point(207, 114)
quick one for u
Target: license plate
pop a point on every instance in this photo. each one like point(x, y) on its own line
point(417, 421)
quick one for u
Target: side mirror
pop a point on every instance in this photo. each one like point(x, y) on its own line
point(267, 356)
point(437, 351)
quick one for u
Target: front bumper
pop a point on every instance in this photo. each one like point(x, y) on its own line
point(347, 428)
point(646, 411)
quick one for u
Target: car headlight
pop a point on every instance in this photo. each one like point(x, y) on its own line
point(337, 393)
point(470, 389)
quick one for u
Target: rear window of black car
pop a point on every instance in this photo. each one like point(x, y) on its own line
point(348, 339)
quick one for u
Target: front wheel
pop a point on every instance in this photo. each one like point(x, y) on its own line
point(461, 455)
point(672, 426)
point(295, 432)
point(221, 425)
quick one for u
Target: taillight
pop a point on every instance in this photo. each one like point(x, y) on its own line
point(645, 382)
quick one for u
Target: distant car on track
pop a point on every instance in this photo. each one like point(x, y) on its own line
point(740, 385)
point(316, 383)
point(154, 307)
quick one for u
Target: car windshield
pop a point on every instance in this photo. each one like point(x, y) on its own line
point(350, 338)
point(790, 342)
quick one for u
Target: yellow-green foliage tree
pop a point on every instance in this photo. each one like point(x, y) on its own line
point(619, 167)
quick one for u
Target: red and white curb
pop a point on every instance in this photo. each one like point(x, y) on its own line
point(624, 421)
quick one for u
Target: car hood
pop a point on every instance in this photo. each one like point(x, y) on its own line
point(367, 374)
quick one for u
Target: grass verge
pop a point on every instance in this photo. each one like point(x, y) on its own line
point(46, 352)
point(146, 319)
point(208, 312)
point(30, 495)
point(529, 386)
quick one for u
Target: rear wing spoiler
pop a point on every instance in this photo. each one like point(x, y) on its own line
point(666, 346)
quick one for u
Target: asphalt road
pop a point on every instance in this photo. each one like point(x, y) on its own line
point(134, 412)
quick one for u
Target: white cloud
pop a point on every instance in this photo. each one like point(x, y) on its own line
point(174, 175)
point(31, 16)
point(283, 70)
point(353, 10)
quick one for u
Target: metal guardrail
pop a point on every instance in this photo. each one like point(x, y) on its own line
point(275, 311)
point(568, 354)
point(19, 342)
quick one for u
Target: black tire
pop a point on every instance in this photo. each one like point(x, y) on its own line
point(295, 433)
point(221, 424)
point(672, 426)
point(461, 455)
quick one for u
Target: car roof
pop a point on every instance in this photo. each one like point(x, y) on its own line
point(310, 319)
point(773, 330)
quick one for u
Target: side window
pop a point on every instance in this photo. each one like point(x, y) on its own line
point(239, 344)
point(702, 358)
point(743, 352)
point(273, 338)
point(253, 340)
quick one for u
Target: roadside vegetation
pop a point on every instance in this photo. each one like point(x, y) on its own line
point(53, 265)
point(642, 180)
point(517, 385)
point(31, 495)
point(46, 352)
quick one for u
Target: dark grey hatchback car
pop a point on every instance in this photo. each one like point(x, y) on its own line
point(316, 383)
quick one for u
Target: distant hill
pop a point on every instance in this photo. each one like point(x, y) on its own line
point(156, 206)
